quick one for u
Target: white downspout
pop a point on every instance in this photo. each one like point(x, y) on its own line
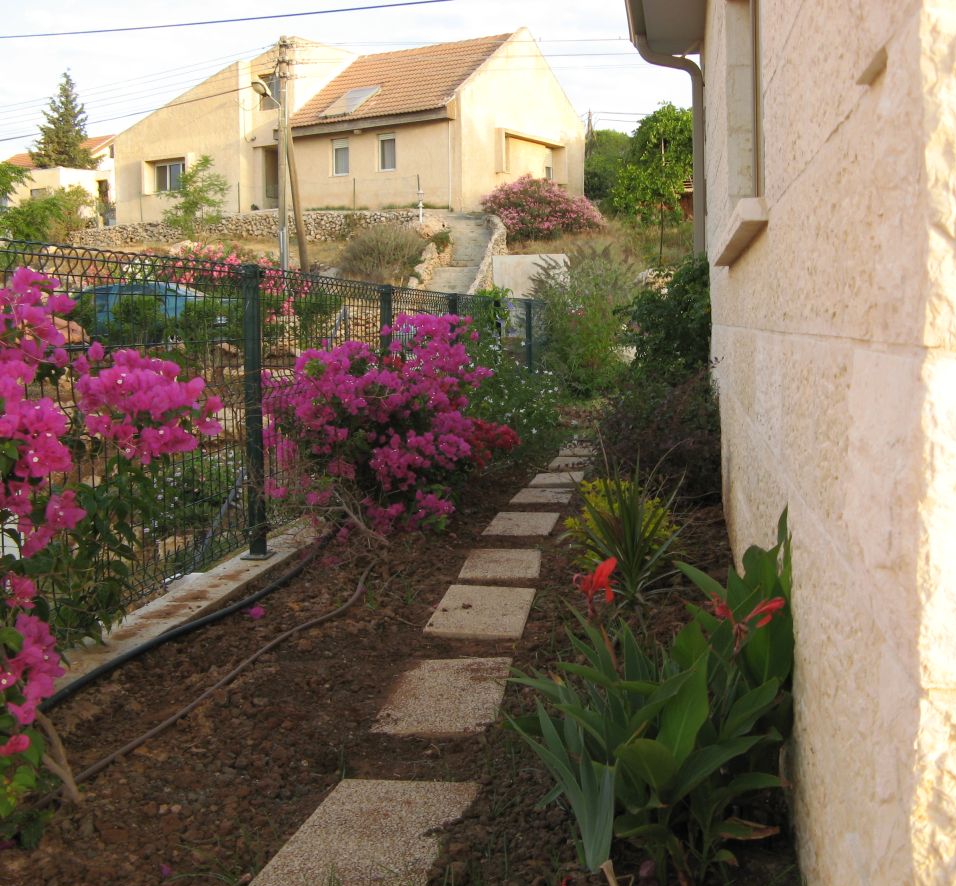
point(697, 83)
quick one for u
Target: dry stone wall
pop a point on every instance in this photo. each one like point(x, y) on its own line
point(498, 245)
point(260, 225)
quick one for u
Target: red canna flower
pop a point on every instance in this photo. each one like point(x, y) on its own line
point(767, 609)
point(600, 579)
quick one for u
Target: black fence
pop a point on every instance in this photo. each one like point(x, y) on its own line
point(229, 323)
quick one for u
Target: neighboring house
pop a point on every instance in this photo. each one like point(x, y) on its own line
point(452, 120)
point(829, 146)
point(224, 118)
point(98, 182)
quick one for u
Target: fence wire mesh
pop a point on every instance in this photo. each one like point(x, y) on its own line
point(232, 324)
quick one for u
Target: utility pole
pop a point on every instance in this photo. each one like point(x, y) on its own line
point(282, 72)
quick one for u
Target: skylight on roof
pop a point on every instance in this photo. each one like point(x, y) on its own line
point(350, 102)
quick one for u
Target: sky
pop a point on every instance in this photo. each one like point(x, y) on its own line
point(121, 77)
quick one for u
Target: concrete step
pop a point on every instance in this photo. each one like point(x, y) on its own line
point(500, 564)
point(444, 698)
point(564, 478)
point(370, 831)
point(481, 612)
point(522, 523)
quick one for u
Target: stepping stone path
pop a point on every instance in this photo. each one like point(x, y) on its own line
point(372, 831)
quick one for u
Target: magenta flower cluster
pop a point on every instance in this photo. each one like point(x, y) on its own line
point(538, 209)
point(389, 426)
point(133, 401)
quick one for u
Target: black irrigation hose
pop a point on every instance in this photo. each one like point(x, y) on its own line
point(182, 630)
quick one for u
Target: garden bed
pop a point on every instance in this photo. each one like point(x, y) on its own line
point(214, 797)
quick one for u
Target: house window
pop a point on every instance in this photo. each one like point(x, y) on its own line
point(38, 193)
point(744, 112)
point(549, 165)
point(340, 156)
point(169, 174)
point(386, 152)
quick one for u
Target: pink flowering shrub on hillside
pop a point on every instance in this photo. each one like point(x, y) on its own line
point(388, 428)
point(538, 209)
point(133, 403)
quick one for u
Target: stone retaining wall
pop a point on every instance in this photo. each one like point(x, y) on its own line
point(259, 225)
point(498, 245)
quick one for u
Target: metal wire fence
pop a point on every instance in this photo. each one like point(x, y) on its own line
point(229, 323)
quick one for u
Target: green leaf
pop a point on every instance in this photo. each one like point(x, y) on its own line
point(748, 709)
point(650, 761)
point(704, 762)
point(708, 585)
point(11, 638)
point(685, 713)
point(739, 829)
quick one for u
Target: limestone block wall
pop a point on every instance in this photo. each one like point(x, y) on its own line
point(835, 337)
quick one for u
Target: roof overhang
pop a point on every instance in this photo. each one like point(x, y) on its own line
point(386, 120)
point(672, 27)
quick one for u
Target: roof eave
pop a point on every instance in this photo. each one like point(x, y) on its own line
point(672, 27)
point(384, 120)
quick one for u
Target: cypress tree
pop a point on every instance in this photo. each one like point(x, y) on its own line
point(61, 139)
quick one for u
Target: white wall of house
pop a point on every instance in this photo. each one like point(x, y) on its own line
point(835, 332)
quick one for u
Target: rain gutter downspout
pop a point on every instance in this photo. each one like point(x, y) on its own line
point(697, 83)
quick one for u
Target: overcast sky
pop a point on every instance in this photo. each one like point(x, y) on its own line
point(120, 77)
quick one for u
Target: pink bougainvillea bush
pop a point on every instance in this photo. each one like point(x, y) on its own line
point(54, 527)
point(388, 430)
point(538, 209)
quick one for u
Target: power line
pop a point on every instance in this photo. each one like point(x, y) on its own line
point(221, 21)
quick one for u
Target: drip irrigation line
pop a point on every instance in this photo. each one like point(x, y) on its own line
point(102, 763)
point(187, 628)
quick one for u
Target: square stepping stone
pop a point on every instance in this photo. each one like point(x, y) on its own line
point(581, 451)
point(564, 462)
point(445, 697)
point(370, 831)
point(542, 497)
point(484, 564)
point(522, 523)
point(564, 478)
point(481, 612)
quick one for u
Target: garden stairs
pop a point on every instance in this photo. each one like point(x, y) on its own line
point(382, 830)
point(469, 241)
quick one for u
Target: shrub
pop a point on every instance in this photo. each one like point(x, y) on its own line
point(623, 522)
point(382, 254)
point(197, 203)
point(670, 322)
point(441, 239)
point(538, 209)
point(383, 431)
point(582, 327)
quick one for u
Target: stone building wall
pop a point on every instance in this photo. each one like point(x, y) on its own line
point(835, 332)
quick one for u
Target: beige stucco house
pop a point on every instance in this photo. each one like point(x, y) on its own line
point(827, 144)
point(450, 120)
point(99, 182)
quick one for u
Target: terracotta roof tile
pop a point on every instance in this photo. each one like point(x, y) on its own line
point(411, 80)
point(91, 144)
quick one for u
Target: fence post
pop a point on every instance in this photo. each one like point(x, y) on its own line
point(529, 333)
point(257, 526)
point(498, 324)
point(452, 304)
point(385, 295)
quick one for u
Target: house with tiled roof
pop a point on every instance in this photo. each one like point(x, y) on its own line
point(444, 123)
point(98, 182)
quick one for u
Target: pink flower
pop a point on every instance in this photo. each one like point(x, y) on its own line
point(15, 744)
point(256, 612)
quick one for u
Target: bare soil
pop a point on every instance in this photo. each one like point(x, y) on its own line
point(215, 796)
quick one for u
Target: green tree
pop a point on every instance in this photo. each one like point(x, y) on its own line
point(10, 177)
point(660, 160)
point(198, 202)
point(604, 153)
point(52, 218)
point(61, 138)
